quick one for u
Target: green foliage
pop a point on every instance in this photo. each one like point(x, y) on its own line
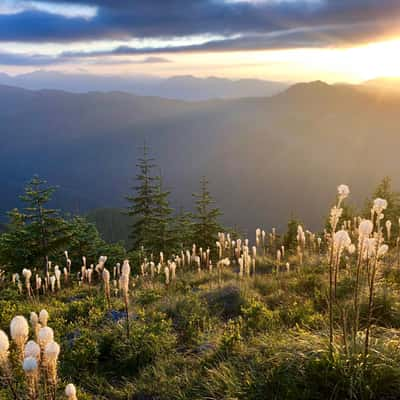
point(115, 253)
point(151, 337)
point(85, 240)
point(206, 225)
point(35, 233)
point(190, 316)
point(183, 231)
point(290, 238)
point(152, 229)
point(81, 352)
point(202, 337)
point(250, 339)
point(231, 339)
point(302, 314)
point(38, 233)
point(258, 318)
point(385, 190)
point(142, 203)
point(155, 228)
point(225, 302)
point(163, 237)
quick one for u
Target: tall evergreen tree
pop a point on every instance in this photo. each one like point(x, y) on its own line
point(42, 231)
point(183, 230)
point(206, 225)
point(290, 237)
point(142, 202)
point(149, 206)
point(161, 221)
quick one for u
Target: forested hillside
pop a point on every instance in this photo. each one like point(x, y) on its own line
point(264, 152)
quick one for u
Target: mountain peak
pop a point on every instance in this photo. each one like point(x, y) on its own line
point(313, 85)
point(308, 88)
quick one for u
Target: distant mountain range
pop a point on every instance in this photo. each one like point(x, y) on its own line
point(383, 86)
point(266, 158)
point(178, 87)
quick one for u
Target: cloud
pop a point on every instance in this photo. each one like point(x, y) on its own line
point(13, 59)
point(268, 23)
point(148, 60)
point(154, 60)
point(322, 36)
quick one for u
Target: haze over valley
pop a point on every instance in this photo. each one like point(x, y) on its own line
point(259, 153)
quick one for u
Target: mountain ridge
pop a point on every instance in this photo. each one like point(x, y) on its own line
point(312, 137)
point(181, 87)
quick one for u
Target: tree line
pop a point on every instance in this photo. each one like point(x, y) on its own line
point(37, 233)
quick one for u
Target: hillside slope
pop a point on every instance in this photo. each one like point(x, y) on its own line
point(266, 157)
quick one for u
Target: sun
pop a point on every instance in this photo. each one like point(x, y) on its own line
point(380, 59)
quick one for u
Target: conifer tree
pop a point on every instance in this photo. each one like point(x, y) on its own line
point(46, 225)
point(290, 238)
point(149, 207)
point(206, 225)
point(15, 248)
point(142, 203)
point(183, 230)
point(41, 230)
point(85, 239)
point(161, 220)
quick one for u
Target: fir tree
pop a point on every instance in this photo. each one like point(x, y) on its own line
point(183, 230)
point(15, 243)
point(38, 229)
point(85, 239)
point(161, 221)
point(149, 207)
point(290, 238)
point(206, 226)
point(142, 203)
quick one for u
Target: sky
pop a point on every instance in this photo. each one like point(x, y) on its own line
point(287, 40)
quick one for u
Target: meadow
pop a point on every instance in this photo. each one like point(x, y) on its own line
point(297, 316)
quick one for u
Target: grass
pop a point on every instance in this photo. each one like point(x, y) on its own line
point(263, 337)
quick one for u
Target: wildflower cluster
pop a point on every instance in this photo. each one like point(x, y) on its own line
point(37, 358)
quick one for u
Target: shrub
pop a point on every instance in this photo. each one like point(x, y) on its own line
point(258, 318)
point(225, 302)
point(190, 317)
point(151, 336)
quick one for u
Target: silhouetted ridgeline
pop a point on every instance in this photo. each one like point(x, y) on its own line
point(265, 157)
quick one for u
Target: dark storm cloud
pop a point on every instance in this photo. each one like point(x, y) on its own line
point(294, 38)
point(342, 20)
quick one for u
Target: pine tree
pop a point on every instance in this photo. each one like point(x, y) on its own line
point(16, 249)
point(161, 221)
point(85, 239)
point(206, 226)
point(46, 225)
point(142, 204)
point(290, 238)
point(41, 230)
point(183, 231)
